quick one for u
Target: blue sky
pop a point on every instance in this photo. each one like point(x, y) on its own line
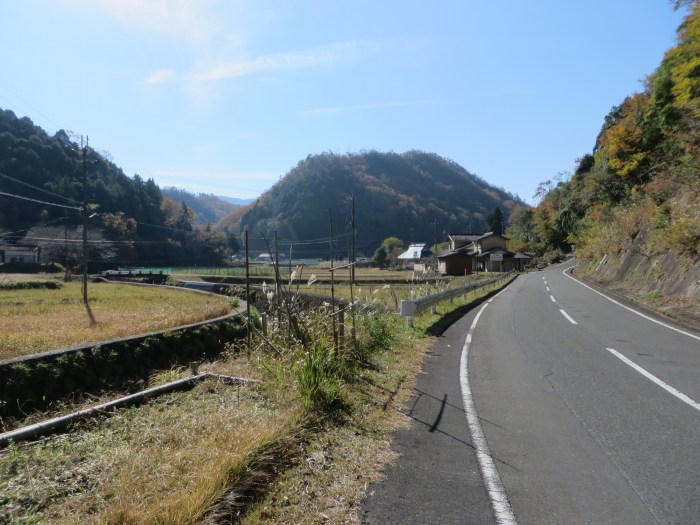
point(227, 96)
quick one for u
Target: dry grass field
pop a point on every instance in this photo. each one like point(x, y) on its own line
point(33, 321)
point(176, 459)
point(171, 460)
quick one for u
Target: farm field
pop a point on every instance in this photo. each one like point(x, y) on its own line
point(299, 447)
point(38, 320)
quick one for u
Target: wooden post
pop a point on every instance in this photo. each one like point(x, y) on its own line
point(341, 328)
point(263, 321)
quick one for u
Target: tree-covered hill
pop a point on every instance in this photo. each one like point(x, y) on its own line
point(632, 206)
point(413, 196)
point(131, 223)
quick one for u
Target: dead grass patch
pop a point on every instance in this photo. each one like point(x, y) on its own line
point(35, 321)
point(167, 461)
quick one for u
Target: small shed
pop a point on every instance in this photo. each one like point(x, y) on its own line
point(522, 260)
point(20, 254)
point(455, 262)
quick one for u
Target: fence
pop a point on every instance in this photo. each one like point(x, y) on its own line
point(411, 308)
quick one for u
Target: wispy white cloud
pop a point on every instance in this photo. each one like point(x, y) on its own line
point(161, 76)
point(363, 107)
point(329, 55)
point(179, 18)
point(243, 185)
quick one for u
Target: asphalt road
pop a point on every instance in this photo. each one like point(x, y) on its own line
point(585, 412)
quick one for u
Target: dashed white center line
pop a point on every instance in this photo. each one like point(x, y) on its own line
point(548, 289)
point(568, 317)
point(553, 299)
point(648, 375)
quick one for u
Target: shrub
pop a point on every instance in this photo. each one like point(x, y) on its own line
point(317, 378)
point(32, 285)
point(684, 236)
point(51, 267)
point(375, 333)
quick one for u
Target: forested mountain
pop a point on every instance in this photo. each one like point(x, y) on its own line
point(414, 196)
point(632, 205)
point(41, 197)
point(207, 208)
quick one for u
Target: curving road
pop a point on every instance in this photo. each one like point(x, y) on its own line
point(551, 404)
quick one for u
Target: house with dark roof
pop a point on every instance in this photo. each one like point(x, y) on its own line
point(471, 253)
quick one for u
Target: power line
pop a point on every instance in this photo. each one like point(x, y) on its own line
point(38, 189)
point(40, 202)
point(61, 240)
point(8, 88)
point(8, 234)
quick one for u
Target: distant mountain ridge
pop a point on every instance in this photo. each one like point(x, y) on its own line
point(414, 196)
point(208, 208)
point(235, 200)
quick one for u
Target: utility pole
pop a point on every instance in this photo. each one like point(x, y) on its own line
point(247, 290)
point(435, 245)
point(352, 252)
point(330, 224)
point(85, 221)
point(66, 277)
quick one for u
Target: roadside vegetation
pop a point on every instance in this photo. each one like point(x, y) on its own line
point(38, 318)
point(300, 446)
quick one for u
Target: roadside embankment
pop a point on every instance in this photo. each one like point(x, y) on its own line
point(33, 382)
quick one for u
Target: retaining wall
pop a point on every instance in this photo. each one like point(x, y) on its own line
point(33, 382)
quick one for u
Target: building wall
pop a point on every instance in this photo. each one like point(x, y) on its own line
point(21, 256)
point(489, 243)
point(455, 264)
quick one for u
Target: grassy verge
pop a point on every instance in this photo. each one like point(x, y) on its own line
point(327, 482)
point(36, 320)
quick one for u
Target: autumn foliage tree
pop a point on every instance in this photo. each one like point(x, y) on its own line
point(642, 174)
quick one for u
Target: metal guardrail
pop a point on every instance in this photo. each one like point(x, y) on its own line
point(411, 308)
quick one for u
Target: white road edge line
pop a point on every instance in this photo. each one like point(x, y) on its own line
point(568, 317)
point(665, 386)
point(632, 309)
point(502, 511)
